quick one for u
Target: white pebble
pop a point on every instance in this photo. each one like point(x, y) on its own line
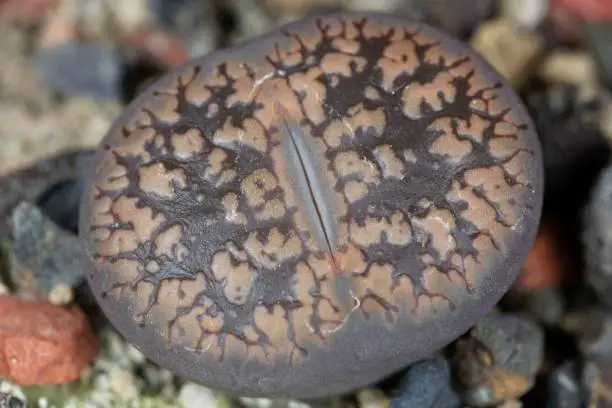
point(525, 14)
point(196, 396)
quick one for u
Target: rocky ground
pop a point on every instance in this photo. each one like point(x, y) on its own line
point(67, 69)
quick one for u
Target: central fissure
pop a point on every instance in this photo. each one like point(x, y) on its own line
point(310, 180)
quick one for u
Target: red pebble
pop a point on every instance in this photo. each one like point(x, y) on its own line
point(547, 263)
point(41, 343)
point(28, 11)
point(587, 10)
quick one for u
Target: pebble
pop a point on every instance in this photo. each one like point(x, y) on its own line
point(562, 28)
point(499, 359)
point(513, 403)
point(20, 81)
point(597, 379)
point(42, 343)
point(590, 326)
point(526, 15)
point(598, 40)
point(590, 10)
point(595, 338)
point(251, 20)
point(61, 294)
point(157, 380)
point(125, 16)
point(101, 20)
point(25, 11)
point(564, 388)
point(191, 20)
point(409, 7)
point(248, 402)
point(512, 54)
point(28, 138)
point(74, 68)
point(116, 352)
point(372, 398)
point(9, 401)
point(576, 68)
point(123, 382)
point(427, 384)
point(44, 259)
point(11, 396)
point(597, 237)
point(605, 119)
point(197, 396)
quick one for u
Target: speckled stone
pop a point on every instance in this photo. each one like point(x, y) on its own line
point(499, 359)
point(306, 213)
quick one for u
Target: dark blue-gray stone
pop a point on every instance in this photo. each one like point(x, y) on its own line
point(427, 384)
point(87, 69)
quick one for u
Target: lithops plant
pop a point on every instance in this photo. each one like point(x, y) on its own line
point(307, 212)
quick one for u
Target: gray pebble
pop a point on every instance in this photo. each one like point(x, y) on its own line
point(427, 384)
point(42, 255)
point(597, 237)
point(73, 68)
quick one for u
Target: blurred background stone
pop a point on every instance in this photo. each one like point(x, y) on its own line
point(427, 384)
point(499, 359)
point(525, 15)
point(81, 69)
point(45, 260)
point(514, 54)
point(598, 39)
point(597, 237)
point(192, 21)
